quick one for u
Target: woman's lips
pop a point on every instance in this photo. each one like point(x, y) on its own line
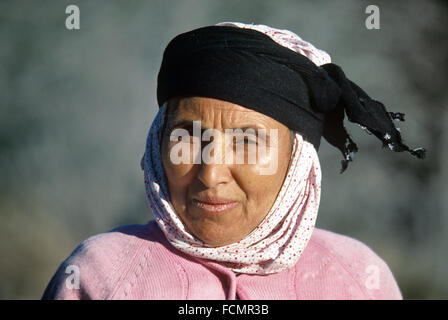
point(214, 205)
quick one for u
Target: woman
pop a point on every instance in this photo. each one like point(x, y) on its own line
point(233, 179)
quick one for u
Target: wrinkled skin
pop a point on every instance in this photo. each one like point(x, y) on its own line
point(252, 193)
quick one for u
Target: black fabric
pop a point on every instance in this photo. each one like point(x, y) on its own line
point(248, 68)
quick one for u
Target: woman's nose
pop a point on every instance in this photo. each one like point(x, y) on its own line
point(214, 174)
point(213, 169)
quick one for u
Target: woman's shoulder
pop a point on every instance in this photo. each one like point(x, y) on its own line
point(96, 267)
point(343, 247)
point(349, 268)
point(123, 239)
point(119, 245)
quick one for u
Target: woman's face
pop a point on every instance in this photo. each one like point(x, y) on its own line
point(221, 200)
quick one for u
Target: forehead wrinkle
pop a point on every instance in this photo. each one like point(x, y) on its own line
point(229, 118)
point(219, 114)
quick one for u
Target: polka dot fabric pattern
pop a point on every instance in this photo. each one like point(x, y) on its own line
point(287, 39)
point(273, 246)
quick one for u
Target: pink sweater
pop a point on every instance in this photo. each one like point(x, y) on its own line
point(137, 262)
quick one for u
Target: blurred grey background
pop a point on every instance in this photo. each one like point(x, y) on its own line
point(75, 108)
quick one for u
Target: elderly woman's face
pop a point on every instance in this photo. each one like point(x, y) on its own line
point(221, 202)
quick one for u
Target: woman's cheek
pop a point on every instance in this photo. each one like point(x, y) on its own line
point(251, 182)
point(267, 163)
point(179, 168)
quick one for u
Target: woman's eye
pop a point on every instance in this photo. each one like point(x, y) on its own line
point(247, 141)
point(181, 135)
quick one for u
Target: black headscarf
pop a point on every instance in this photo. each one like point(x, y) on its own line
point(248, 68)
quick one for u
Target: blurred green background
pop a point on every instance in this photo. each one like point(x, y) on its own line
point(75, 108)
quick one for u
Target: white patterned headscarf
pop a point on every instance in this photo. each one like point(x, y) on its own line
point(286, 39)
point(278, 241)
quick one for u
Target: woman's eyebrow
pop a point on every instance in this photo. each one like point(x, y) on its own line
point(255, 128)
point(184, 123)
point(189, 123)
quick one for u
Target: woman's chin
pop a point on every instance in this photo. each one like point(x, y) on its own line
point(216, 229)
point(214, 236)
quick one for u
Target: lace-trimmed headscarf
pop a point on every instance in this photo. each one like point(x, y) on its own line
point(277, 73)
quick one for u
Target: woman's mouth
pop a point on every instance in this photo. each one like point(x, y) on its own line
point(214, 205)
